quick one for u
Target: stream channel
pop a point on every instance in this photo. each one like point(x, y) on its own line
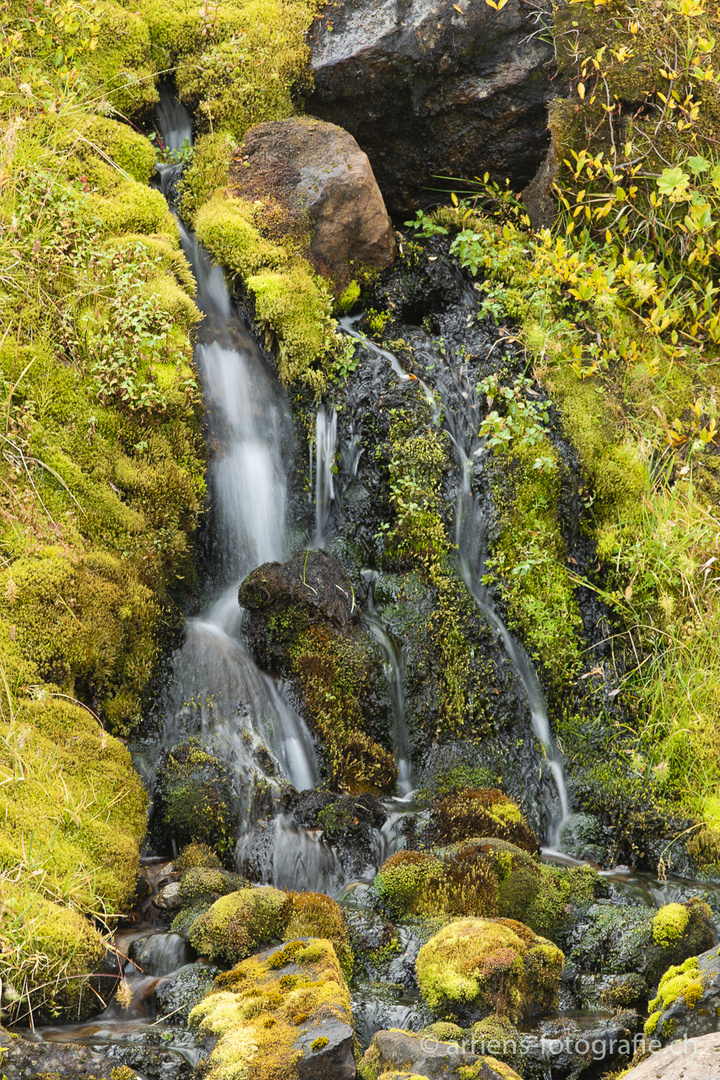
point(218, 695)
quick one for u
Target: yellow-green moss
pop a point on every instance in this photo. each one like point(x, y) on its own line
point(495, 964)
point(258, 1011)
point(317, 915)
point(686, 981)
point(670, 923)
point(237, 924)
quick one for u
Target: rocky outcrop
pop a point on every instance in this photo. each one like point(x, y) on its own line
point(688, 1000)
point(434, 88)
point(694, 1059)
point(401, 1052)
point(312, 173)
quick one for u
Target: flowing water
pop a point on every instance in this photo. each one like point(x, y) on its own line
point(453, 404)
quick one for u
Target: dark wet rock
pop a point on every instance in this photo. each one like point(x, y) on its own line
point(569, 1050)
point(608, 939)
point(316, 175)
point(152, 1060)
point(25, 1059)
point(349, 823)
point(582, 836)
point(311, 589)
point(327, 1052)
point(159, 954)
point(302, 619)
point(402, 1051)
point(688, 1002)
point(434, 88)
point(697, 1059)
point(176, 998)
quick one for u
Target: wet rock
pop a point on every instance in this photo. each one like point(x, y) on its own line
point(168, 898)
point(566, 1049)
point(302, 619)
point(24, 1059)
point(474, 966)
point(434, 88)
point(315, 173)
point(696, 1059)
point(426, 1055)
point(159, 954)
point(311, 589)
point(194, 799)
point(176, 998)
point(349, 823)
point(272, 994)
point(688, 1000)
point(612, 940)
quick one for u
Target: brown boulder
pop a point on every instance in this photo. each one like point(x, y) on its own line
point(313, 174)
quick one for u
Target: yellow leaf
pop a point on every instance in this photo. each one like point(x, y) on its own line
point(581, 91)
point(628, 592)
point(458, 9)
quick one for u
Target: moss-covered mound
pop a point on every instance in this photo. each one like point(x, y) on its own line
point(481, 812)
point(476, 966)
point(487, 877)
point(274, 1011)
point(74, 814)
point(239, 923)
point(194, 800)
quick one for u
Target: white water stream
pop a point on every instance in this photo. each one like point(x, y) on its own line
point(462, 424)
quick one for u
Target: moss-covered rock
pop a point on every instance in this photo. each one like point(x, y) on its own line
point(303, 621)
point(194, 799)
point(404, 1055)
point(489, 877)
point(476, 966)
point(236, 924)
point(618, 940)
point(317, 915)
point(481, 812)
point(204, 885)
point(196, 855)
point(276, 1012)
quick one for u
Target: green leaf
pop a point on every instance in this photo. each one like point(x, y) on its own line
point(698, 164)
point(673, 181)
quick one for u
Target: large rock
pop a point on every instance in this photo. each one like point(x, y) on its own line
point(434, 87)
point(283, 1012)
point(314, 172)
point(696, 1059)
point(425, 1055)
point(688, 1000)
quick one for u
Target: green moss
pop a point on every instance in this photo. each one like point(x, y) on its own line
point(196, 855)
point(258, 1010)
point(318, 916)
point(400, 882)
point(683, 980)
point(194, 799)
point(482, 812)
point(240, 923)
point(492, 964)
point(444, 1031)
point(670, 923)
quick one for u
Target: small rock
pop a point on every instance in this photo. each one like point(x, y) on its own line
point(425, 1055)
point(694, 1008)
point(168, 899)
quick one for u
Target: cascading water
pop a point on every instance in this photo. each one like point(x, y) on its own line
point(325, 445)
point(217, 693)
point(453, 403)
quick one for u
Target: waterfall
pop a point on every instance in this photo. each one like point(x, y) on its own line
point(325, 444)
point(452, 404)
point(217, 693)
